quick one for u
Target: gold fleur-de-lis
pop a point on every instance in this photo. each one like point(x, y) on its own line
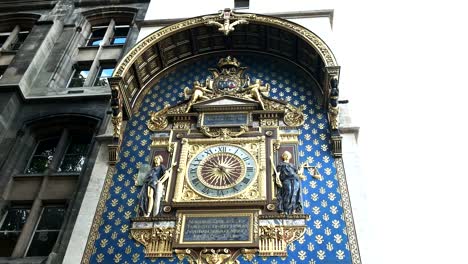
point(107, 228)
point(310, 246)
point(110, 250)
point(327, 231)
point(302, 255)
point(338, 238)
point(318, 224)
point(100, 258)
point(121, 242)
point(336, 223)
point(340, 254)
point(329, 246)
point(321, 254)
point(103, 243)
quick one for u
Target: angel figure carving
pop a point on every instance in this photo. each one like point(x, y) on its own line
point(226, 27)
point(198, 92)
point(257, 91)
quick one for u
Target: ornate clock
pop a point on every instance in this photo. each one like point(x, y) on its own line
point(221, 171)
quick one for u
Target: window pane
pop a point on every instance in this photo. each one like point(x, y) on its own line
point(3, 38)
point(20, 40)
point(104, 73)
point(7, 243)
point(119, 40)
point(42, 243)
point(79, 77)
point(15, 219)
point(97, 35)
point(42, 156)
point(38, 164)
point(51, 218)
point(120, 35)
point(72, 163)
point(47, 147)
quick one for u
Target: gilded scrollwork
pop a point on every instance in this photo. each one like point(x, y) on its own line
point(223, 133)
point(294, 116)
point(158, 120)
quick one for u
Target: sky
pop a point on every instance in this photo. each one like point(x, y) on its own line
point(403, 65)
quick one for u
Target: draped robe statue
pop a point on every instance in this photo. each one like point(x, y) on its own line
point(289, 185)
point(153, 188)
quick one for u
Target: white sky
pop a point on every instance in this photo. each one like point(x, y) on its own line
point(403, 65)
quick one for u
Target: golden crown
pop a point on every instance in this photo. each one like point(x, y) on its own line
point(228, 61)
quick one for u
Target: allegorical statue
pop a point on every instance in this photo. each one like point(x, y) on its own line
point(153, 188)
point(256, 91)
point(334, 109)
point(288, 179)
point(198, 92)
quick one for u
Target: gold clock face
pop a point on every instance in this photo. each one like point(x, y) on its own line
point(221, 171)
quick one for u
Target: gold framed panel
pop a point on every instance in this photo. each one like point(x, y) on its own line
point(255, 192)
point(182, 216)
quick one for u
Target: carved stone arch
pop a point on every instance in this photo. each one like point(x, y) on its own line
point(26, 21)
point(99, 16)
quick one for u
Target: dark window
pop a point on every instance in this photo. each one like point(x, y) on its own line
point(96, 36)
point(10, 229)
point(47, 231)
point(120, 35)
point(2, 71)
point(241, 4)
point(20, 40)
point(75, 156)
point(79, 77)
point(102, 76)
point(42, 156)
point(3, 37)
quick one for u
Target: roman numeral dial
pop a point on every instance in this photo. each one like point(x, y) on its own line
point(221, 171)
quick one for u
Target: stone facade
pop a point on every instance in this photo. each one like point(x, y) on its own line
point(43, 45)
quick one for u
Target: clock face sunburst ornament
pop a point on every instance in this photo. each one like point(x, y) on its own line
point(221, 171)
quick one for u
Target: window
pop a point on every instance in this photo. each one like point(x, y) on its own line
point(120, 35)
point(78, 77)
point(13, 40)
point(102, 76)
point(20, 40)
point(73, 159)
point(2, 71)
point(10, 229)
point(96, 36)
point(47, 231)
point(241, 4)
point(3, 37)
point(75, 155)
point(98, 33)
point(42, 156)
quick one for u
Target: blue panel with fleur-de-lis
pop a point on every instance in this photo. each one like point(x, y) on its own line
point(325, 239)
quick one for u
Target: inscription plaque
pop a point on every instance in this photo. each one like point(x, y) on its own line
point(199, 229)
point(231, 119)
point(217, 228)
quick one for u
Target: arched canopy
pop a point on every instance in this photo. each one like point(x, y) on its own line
point(192, 37)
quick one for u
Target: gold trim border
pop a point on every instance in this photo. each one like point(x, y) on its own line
point(348, 214)
point(97, 220)
point(308, 36)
